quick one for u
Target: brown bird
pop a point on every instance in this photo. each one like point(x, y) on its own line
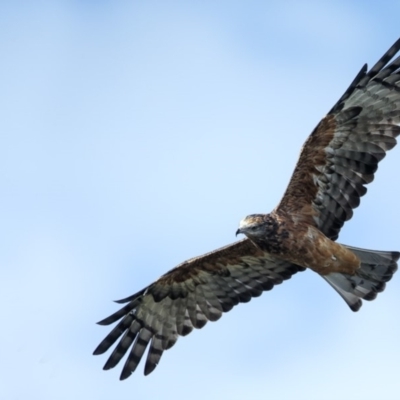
point(338, 159)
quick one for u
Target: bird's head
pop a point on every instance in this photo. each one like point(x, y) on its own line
point(253, 225)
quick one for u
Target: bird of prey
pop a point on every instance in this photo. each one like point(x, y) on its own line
point(337, 161)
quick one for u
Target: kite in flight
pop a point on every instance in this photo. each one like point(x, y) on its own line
point(338, 159)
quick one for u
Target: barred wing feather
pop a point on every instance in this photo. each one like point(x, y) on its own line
point(342, 154)
point(197, 291)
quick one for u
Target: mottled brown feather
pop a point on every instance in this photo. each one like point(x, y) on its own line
point(342, 154)
point(302, 189)
point(197, 291)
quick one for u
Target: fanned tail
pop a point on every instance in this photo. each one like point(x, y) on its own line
point(377, 268)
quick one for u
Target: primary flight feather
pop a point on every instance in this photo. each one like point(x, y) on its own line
point(338, 159)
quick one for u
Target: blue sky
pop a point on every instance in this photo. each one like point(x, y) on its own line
point(135, 135)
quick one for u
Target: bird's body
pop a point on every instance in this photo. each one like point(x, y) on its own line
point(294, 240)
point(337, 161)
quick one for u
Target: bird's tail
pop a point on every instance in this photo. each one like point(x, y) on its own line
point(377, 268)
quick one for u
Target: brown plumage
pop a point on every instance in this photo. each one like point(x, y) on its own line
point(338, 159)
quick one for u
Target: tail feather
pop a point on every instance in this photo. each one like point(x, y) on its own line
point(376, 268)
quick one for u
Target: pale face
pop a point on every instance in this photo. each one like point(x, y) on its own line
point(252, 225)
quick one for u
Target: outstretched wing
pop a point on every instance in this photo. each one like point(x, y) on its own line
point(342, 154)
point(197, 291)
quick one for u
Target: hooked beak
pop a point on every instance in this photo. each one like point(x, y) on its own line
point(238, 231)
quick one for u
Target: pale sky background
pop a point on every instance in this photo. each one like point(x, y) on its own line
point(135, 135)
